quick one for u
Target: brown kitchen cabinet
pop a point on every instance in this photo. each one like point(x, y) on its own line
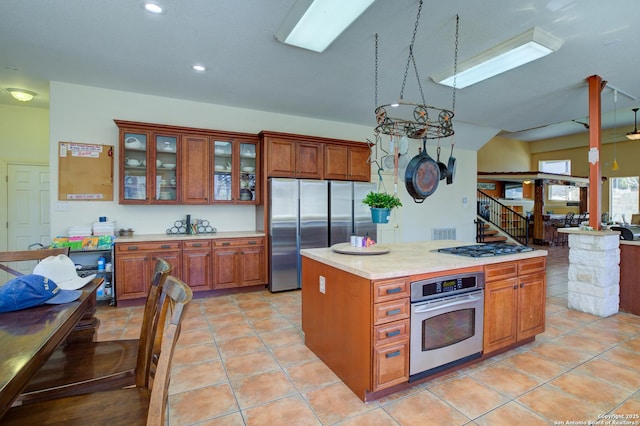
point(239, 262)
point(197, 264)
point(295, 159)
point(236, 166)
point(162, 164)
point(514, 302)
point(347, 162)
point(149, 166)
point(137, 261)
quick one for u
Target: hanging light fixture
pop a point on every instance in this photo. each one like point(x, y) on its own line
point(413, 120)
point(635, 135)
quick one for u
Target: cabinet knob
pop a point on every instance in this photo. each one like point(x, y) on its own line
point(515, 287)
point(522, 285)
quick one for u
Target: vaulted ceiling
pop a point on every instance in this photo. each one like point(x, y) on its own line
point(117, 45)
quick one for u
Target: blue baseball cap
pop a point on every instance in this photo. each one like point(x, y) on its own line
point(27, 291)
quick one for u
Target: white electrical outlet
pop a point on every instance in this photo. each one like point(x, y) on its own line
point(322, 284)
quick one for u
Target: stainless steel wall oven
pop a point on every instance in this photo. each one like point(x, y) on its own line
point(446, 322)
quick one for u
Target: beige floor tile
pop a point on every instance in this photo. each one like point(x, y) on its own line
point(271, 324)
point(240, 346)
point(506, 380)
point(233, 419)
point(293, 354)
point(511, 414)
point(194, 376)
point(201, 404)
point(375, 417)
point(556, 405)
point(258, 314)
point(250, 305)
point(582, 344)
point(535, 365)
point(468, 396)
point(195, 353)
point(631, 345)
point(336, 402)
point(233, 331)
point(285, 337)
point(194, 337)
point(610, 372)
point(225, 319)
point(425, 409)
point(195, 323)
point(600, 334)
point(291, 411)
point(262, 388)
point(592, 391)
point(560, 321)
point(629, 409)
point(311, 375)
point(567, 356)
point(249, 365)
point(624, 357)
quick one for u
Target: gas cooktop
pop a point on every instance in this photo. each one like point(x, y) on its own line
point(485, 250)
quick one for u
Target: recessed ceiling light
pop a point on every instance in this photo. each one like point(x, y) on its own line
point(153, 7)
point(198, 67)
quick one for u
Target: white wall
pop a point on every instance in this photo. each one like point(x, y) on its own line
point(85, 114)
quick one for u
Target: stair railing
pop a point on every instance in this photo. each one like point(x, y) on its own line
point(502, 217)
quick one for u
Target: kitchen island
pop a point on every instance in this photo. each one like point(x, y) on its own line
point(356, 309)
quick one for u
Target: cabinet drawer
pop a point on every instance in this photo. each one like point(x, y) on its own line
point(391, 365)
point(390, 311)
point(148, 246)
point(233, 242)
point(392, 332)
point(531, 266)
point(500, 271)
point(197, 244)
point(390, 290)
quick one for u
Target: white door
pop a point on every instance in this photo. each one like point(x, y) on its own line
point(27, 209)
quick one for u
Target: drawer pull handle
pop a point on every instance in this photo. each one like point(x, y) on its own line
point(197, 245)
point(393, 333)
point(165, 246)
point(226, 243)
point(392, 354)
point(132, 248)
point(394, 290)
point(253, 242)
point(394, 312)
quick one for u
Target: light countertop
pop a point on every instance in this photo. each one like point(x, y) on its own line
point(406, 259)
point(172, 237)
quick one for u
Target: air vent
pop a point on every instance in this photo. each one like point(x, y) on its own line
point(443, 234)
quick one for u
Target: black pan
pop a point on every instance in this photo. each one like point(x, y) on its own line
point(443, 167)
point(422, 175)
point(451, 167)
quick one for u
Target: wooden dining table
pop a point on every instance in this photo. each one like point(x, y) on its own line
point(28, 338)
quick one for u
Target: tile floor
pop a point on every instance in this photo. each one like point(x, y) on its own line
point(241, 360)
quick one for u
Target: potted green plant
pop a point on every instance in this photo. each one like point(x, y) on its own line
point(381, 204)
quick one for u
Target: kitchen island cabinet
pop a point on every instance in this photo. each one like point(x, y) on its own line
point(629, 280)
point(365, 301)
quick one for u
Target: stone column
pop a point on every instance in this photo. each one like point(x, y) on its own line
point(594, 271)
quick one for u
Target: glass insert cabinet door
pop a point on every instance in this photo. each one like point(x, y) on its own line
point(165, 168)
point(223, 171)
point(247, 172)
point(135, 166)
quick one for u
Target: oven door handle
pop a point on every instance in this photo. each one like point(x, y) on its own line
point(426, 308)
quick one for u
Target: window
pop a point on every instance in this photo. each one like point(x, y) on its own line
point(559, 192)
point(558, 167)
point(513, 191)
point(623, 196)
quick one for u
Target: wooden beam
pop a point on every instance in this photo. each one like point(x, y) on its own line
point(595, 175)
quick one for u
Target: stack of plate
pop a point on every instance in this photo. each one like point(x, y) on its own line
point(104, 228)
point(79, 231)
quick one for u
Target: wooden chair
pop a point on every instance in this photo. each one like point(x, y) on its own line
point(86, 367)
point(27, 255)
point(137, 405)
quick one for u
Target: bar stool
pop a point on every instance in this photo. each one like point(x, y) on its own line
point(560, 238)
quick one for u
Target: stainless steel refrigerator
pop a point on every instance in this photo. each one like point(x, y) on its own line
point(303, 214)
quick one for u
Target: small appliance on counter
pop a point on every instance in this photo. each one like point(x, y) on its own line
point(627, 232)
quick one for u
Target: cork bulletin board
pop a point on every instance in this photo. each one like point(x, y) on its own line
point(85, 172)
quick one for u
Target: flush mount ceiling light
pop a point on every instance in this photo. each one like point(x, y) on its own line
point(521, 49)
point(635, 135)
point(315, 24)
point(198, 67)
point(21, 94)
point(153, 7)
